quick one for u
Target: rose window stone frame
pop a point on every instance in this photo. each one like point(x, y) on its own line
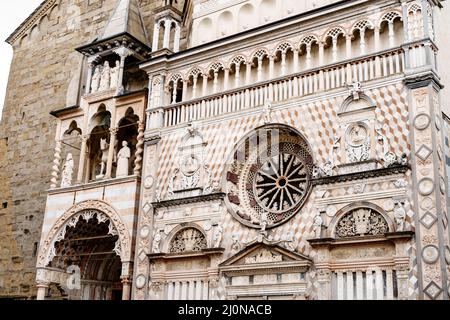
point(269, 176)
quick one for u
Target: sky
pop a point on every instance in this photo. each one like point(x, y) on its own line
point(12, 14)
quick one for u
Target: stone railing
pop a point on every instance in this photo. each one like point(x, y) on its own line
point(334, 76)
point(370, 284)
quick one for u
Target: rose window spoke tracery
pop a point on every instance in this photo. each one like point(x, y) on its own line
point(281, 183)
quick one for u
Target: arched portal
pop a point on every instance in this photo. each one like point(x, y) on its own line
point(87, 254)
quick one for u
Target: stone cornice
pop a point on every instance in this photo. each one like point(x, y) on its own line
point(362, 175)
point(189, 200)
point(32, 19)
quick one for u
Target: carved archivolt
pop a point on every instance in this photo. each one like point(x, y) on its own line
point(87, 210)
point(360, 219)
point(188, 240)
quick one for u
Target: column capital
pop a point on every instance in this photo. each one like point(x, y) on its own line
point(85, 137)
point(113, 131)
point(123, 52)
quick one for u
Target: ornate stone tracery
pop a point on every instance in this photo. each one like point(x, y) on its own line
point(188, 240)
point(86, 210)
point(361, 222)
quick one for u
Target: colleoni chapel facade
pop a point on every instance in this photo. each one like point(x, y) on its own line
point(243, 149)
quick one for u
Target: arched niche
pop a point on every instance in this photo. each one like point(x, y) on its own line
point(98, 143)
point(267, 11)
point(205, 30)
point(360, 219)
point(246, 17)
point(225, 24)
point(353, 104)
point(128, 131)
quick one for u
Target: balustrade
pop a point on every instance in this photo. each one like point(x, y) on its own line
point(330, 77)
point(370, 284)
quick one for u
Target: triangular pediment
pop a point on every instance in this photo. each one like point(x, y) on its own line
point(265, 255)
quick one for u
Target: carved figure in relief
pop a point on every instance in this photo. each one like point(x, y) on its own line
point(318, 224)
point(104, 148)
point(399, 216)
point(105, 77)
point(115, 75)
point(67, 172)
point(217, 237)
point(357, 143)
point(95, 84)
point(355, 90)
point(267, 112)
point(236, 242)
point(123, 160)
point(156, 243)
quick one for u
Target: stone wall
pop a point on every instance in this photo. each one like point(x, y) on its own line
point(44, 71)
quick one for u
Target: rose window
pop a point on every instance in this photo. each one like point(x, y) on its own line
point(269, 178)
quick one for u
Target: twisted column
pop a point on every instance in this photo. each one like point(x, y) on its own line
point(56, 165)
point(139, 149)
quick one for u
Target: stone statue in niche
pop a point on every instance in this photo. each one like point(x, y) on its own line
point(104, 149)
point(318, 224)
point(115, 75)
point(106, 77)
point(123, 160)
point(357, 143)
point(399, 216)
point(67, 172)
point(267, 112)
point(217, 237)
point(95, 84)
point(156, 243)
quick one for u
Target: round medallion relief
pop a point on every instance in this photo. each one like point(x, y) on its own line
point(190, 165)
point(389, 205)
point(331, 211)
point(145, 232)
point(426, 186)
point(427, 203)
point(140, 281)
point(148, 182)
point(356, 135)
point(422, 121)
point(269, 177)
point(430, 254)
